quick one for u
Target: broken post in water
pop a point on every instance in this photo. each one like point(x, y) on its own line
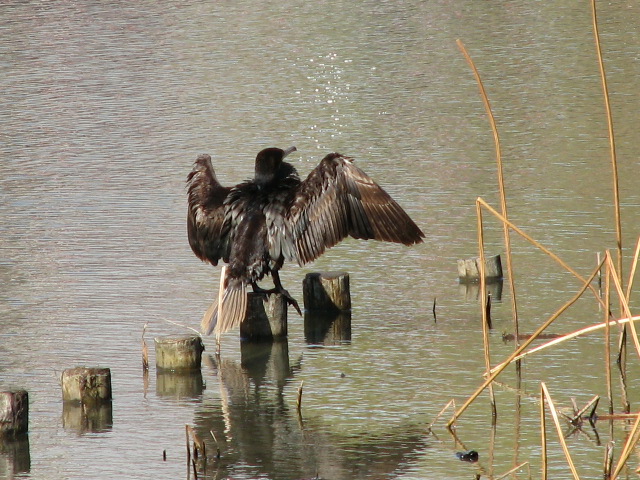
point(327, 291)
point(469, 269)
point(327, 304)
point(178, 352)
point(266, 317)
point(14, 412)
point(86, 385)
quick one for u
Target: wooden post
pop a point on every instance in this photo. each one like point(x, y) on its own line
point(469, 269)
point(327, 291)
point(178, 352)
point(86, 385)
point(266, 317)
point(14, 412)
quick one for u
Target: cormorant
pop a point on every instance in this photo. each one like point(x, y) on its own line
point(258, 224)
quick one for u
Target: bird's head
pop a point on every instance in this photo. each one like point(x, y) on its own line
point(268, 162)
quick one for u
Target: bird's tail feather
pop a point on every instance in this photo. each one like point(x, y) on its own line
point(234, 307)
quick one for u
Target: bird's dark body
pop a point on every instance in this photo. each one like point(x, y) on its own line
point(259, 224)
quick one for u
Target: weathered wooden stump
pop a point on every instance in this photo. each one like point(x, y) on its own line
point(14, 412)
point(321, 328)
point(178, 352)
point(266, 317)
point(469, 269)
point(86, 386)
point(326, 291)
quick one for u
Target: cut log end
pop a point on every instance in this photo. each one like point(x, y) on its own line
point(327, 291)
point(469, 269)
point(178, 352)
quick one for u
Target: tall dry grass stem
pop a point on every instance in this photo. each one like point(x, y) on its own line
point(483, 299)
point(556, 422)
point(612, 143)
point(543, 431)
point(607, 336)
point(503, 199)
point(632, 273)
point(623, 300)
point(628, 447)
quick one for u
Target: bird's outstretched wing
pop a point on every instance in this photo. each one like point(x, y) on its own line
point(206, 226)
point(338, 199)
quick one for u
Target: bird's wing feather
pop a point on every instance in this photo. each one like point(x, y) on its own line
point(206, 225)
point(338, 199)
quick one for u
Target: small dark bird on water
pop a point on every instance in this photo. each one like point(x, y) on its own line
point(258, 224)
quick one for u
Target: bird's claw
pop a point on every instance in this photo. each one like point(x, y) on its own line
point(291, 301)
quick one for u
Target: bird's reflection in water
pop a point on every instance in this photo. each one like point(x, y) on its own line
point(259, 432)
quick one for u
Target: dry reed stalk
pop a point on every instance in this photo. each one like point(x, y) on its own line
point(215, 440)
point(556, 421)
point(538, 245)
point(607, 337)
point(444, 409)
point(608, 460)
point(483, 297)
point(623, 301)
point(198, 443)
point(498, 369)
point(299, 399)
point(145, 350)
point(631, 442)
point(220, 294)
point(543, 431)
point(569, 336)
point(503, 199)
point(632, 273)
point(513, 470)
point(612, 143)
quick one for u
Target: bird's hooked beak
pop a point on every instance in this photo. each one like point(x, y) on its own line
point(287, 151)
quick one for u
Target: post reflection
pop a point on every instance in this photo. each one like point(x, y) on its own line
point(15, 457)
point(259, 432)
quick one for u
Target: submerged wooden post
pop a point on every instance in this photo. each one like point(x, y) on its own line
point(178, 352)
point(469, 269)
point(266, 317)
point(86, 385)
point(327, 291)
point(14, 412)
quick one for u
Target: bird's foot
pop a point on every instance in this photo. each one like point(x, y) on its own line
point(290, 300)
point(287, 296)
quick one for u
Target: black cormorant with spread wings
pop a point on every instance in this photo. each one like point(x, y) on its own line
point(258, 224)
